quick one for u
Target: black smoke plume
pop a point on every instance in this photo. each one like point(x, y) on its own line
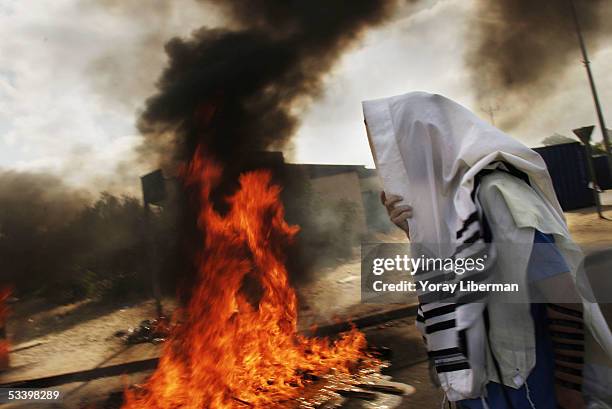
point(238, 91)
point(519, 49)
point(35, 208)
point(62, 244)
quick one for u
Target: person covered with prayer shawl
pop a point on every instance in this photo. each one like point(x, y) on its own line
point(461, 188)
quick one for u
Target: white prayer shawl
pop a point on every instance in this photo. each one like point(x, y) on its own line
point(428, 149)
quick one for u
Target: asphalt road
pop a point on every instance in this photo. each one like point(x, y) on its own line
point(408, 362)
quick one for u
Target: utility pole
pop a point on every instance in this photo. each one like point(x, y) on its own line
point(153, 193)
point(584, 134)
point(587, 65)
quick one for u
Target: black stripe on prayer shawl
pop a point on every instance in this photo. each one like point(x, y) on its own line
point(473, 232)
point(452, 367)
point(510, 169)
point(463, 343)
point(444, 352)
point(436, 312)
point(471, 219)
point(440, 326)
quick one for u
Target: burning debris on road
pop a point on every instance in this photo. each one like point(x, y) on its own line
point(225, 95)
point(154, 331)
point(230, 349)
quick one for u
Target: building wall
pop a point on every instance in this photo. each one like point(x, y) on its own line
point(343, 186)
point(567, 165)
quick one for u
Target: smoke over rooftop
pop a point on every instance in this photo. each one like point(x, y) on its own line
point(519, 50)
point(238, 91)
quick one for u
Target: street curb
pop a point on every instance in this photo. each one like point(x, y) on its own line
point(367, 321)
point(151, 364)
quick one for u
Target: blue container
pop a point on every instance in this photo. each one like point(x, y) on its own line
point(567, 165)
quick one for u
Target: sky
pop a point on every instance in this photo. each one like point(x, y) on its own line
point(74, 75)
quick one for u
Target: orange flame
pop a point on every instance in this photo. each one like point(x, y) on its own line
point(5, 293)
point(228, 352)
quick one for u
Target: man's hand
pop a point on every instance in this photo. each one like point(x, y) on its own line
point(397, 214)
